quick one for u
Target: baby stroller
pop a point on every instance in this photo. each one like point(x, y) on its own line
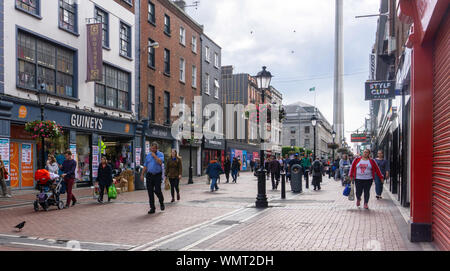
point(49, 186)
point(345, 178)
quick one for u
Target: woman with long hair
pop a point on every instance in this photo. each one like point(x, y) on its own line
point(52, 166)
point(173, 171)
point(104, 178)
point(383, 164)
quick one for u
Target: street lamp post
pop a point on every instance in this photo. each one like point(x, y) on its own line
point(190, 180)
point(314, 123)
point(42, 100)
point(263, 79)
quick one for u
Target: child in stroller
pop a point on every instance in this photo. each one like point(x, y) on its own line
point(50, 187)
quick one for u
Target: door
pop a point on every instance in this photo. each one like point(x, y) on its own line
point(23, 165)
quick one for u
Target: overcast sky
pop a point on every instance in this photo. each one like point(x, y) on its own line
point(295, 40)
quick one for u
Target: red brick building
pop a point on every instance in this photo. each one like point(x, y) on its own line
point(171, 73)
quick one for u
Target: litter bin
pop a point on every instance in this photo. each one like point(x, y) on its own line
point(296, 179)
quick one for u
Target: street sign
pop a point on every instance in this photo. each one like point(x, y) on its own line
point(380, 90)
point(359, 138)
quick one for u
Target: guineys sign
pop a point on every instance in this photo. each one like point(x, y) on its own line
point(86, 122)
point(380, 90)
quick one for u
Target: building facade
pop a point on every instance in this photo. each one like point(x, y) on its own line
point(213, 144)
point(169, 74)
point(298, 129)
point(47, 50)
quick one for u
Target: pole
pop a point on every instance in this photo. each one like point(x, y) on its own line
point(42, 141)
point(261, 199)
point(283, 185)
point(190, 181)
point(314, 155)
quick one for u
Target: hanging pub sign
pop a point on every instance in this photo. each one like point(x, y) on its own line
point(94, 52)
point(380, 90)
point(358, 138)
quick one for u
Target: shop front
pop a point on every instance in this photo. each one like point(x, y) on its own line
point(87, 135)
point(212, 149)
point(163, 136)
point(245, 152)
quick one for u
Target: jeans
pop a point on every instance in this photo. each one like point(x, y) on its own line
point(4, 188)
point(363, 186)
point(214, 184)
point(234, 174)
point(154, 187)
point(275, 176)
point(69, 186)
point(227, 174)
point(102, 189)
point(174, 185)
point(378, 186)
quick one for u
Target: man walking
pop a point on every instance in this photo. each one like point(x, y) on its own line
point(306, 164)
point(275, 168)
point(153, 169)
point(317, 170)
point(68, 168)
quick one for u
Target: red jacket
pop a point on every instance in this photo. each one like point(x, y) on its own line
point(375, 169)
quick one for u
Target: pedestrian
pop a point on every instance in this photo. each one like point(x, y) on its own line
point(68, 173)
point(235, 169)
point(344, 166)
point(286, 167)
point(306, 164)
point(240, 166)
point(227, 167)
point(317, 171)
point(383, 164)
point(104, 178)
point(363, 171)
point(3, 178)
point(174, 170)
point(214, 170)
point(252, 164)
point(52, 166)
point(153, 170)
point(275, 170)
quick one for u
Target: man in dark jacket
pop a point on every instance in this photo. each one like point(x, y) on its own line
point(317, 171)
point(235, 167)
point(214, 170)
point(275, 169)
point(68, 168)
point(104, 178)
point(227, 168)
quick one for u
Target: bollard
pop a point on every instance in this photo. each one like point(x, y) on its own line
point(283, 185)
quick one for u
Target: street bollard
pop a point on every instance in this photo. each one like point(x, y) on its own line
point(283, 185)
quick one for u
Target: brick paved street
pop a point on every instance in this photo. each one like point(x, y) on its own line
point(224, 220)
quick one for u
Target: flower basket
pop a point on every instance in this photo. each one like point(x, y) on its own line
point(43, 129)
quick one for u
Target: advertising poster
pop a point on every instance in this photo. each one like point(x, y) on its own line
point(147, 147)
point(4, 152)
point(27, 165)
point(95, 161)
point(244, 160)
point(73, 150)
point(138, 156)
point(14, 168)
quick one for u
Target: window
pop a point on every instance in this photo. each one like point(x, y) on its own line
point(114, 90)
point(182, 36)
point(167, 24)
point(30, 6)
point(68, 15)
point(128, 2)
point(194, 44)
point(207, 84)
point(167, 61)
point(216, 60)
point(307, 129)
point(151, 102)
point(293, 142)
point(42, 62)
point(307, 143)
point(182, 70)
point(216, 88)
point(207, 56)
point(151, 54)
point(194, 76)
point(151, 12)
point(125, 40)
point(166, 107)
point(102, 17)
point(293, 130)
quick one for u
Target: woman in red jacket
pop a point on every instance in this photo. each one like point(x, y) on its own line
point(363, 172)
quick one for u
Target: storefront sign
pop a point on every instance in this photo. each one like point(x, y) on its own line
point(160, 132)
point(357, 138)
point(216, 144)
point(81, 121)
point(94, 52)
point(22, 112)
point(380, 90)
point(14, 170)
point(26, 165)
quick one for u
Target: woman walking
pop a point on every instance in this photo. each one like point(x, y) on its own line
point(235, 169)
point(227, 168)
point(383, 164)
point(174, 170)
point(104, 178)
point(3, 178)
point(52, 166)
point(363, 171)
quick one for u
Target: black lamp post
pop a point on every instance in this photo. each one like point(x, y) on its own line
point(190, 180)
point(42, 100)
point(263, 79)
point(314, 123)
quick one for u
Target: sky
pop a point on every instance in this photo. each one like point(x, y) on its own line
point(295, 40)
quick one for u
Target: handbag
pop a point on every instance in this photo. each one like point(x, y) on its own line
point(166, 184)
point(112, 192)
point(351, 196)
point(347, 190)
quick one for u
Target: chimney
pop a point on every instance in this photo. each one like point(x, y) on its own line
point(180, 3)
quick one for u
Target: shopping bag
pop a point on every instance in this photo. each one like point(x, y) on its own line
point(112, 192)
point(166, 184)
point(351, 196)
point(346, 190)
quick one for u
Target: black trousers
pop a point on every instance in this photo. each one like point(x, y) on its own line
point(306, 176)
point(154, 182)
point(363, 186)
point(227, 174)
point(174, 185)
point(102, 187)
point(275, 176)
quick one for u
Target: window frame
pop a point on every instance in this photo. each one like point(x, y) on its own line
point(194, 45)
point(207, 54)
point(166, 61)
point(38, 8)
point(167, 27)
point(105, 44)
point(216, 88)
point(61, 16)
point(166, 108)
point(207, 84)
point(129, 54)
point(151, 51)
point(194, 76)
point(216, 60)
point(117, 90)
point(151, 104)
point(182, 70)
point(57, 45)
point(153, 21)
point(307, 130)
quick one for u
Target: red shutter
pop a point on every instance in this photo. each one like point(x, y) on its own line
point(441, 138)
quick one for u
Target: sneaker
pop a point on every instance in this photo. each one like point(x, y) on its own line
point(173, 200)
point(152, 211)
point(8, 196)
point(99, 201)
point(178, 196)
point(212, 190)
point(366, 206)
point(358, 202)
point(162, 207)
point(74, 202)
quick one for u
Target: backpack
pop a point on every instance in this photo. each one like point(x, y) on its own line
point(316, 166)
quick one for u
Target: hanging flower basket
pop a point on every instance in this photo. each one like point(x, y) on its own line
point(45, 129)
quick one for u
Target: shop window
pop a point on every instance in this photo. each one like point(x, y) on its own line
point(114, 90)
point(41, 62)
point(83, 157)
